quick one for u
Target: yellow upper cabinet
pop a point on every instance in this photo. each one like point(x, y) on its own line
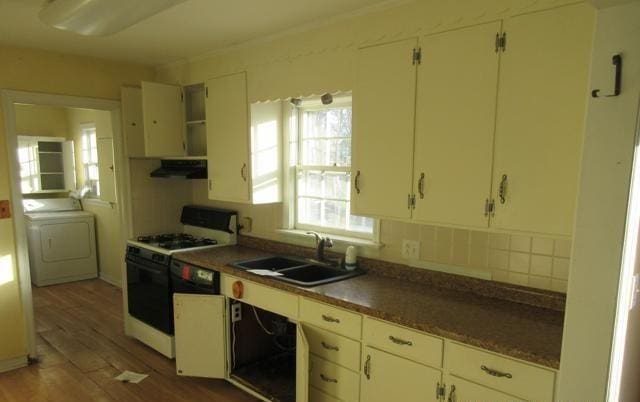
point(132, 122)
point(540, 120)
point(455, 118)
point(383, 124)
point(228, 150)
point(163, 114)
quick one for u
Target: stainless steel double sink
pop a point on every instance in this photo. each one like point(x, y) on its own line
point(301, 272)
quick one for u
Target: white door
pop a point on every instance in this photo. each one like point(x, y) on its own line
point(228, 138)
point(163, 113)
point(542, 101)
point(106, 170)
point(200, 323)
point(455, 122)
point(65, 241)
point(302, 365)
point(383, 124)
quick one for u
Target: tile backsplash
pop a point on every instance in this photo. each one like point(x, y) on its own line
point(538, 262)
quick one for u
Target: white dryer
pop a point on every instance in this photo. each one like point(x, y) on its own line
point(62, 241)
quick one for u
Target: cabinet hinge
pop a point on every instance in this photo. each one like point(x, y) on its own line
point(411, 201)
point(501, 42)
point(181, 96)
point(206, 92)
point(492, 207)
point(416, 58)
point(440, 391)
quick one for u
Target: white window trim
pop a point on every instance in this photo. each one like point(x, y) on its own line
point(291, 120)
point(85, 166)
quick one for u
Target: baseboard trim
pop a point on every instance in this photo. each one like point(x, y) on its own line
point(12, 364)
point(110, 280)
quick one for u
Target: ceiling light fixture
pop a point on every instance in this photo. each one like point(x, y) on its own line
point(100, 17)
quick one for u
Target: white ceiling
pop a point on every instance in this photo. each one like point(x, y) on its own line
point(186, 30)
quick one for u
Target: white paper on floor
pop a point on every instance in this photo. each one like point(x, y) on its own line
point(130, 376)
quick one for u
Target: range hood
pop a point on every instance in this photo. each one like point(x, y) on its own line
point(181, 169)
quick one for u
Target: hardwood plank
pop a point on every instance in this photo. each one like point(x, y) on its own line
point(82, 347)
point(81, 356)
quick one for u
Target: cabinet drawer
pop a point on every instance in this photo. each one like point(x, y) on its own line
point(501, 373)
point(261, 296)
point(336, 381)
point(332, 318)
point(334, 348)
point(403, 342)
point(315, 395)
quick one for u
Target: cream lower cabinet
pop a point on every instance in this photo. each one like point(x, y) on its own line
point(391, 378)
point(200, 326)
point(228, 150)
point(460, 390)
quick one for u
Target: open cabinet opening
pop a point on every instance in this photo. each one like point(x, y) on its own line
point(263, 352)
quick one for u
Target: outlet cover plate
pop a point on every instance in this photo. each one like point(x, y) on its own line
point(411, 249)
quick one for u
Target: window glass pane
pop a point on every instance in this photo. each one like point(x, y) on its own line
point(327, 123)
point(337, 185)
point(335, 214)
point(309, 211)
point(360, 224)
point(310, 183)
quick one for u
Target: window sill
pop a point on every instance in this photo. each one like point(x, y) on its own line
point(337, 239)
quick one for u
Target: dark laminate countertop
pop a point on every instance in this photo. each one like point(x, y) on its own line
point(522, 331)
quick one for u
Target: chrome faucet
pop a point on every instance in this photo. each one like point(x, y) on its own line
point(321, 244)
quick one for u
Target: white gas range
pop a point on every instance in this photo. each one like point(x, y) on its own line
point(150, 279)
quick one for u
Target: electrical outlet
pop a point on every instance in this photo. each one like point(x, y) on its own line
point(411, 249)
point(236, 312)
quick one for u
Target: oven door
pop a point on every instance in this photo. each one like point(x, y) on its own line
point(149, 294)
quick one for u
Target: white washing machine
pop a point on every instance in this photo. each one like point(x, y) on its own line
point(62, 241)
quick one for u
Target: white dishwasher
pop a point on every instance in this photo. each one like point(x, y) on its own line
point(62, 242)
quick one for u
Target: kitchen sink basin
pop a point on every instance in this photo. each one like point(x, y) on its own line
point(298, 271)
point(270, 263)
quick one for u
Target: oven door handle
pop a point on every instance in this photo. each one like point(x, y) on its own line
point(155, 268)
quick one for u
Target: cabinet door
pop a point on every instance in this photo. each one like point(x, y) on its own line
point(200, 335)
point(132, 122)
point(459, 390)
point(455, 122)
point(542, 99)
point(228, 138)
point(383, 123)
point(163, 112)
point(386, 377)
point(106, 170)
point(302, 365)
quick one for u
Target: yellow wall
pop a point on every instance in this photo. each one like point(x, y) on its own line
point(42, 120)
point(321, 60)
point(41, 71)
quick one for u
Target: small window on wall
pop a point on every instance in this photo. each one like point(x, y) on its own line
point(90, 159)
point(323, 170)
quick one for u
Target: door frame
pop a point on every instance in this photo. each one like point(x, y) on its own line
point(9, 99)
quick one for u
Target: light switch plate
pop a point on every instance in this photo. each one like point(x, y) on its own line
point(5, 210)
point(411, 249)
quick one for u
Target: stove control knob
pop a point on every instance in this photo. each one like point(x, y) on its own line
point(238, 290)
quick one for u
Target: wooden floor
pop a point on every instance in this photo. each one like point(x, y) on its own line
point(82, 346)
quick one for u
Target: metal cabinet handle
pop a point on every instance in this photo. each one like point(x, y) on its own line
point(452, 394)
point(328, 318)
point(328, 379)
point(486, 207)
point(357, 182)
point(502, 190)
point(155, 122)
point(329, 347)
point(421, 186)
point(399, 341)
point(133, 124)
point(367, 367)
point(495, 373)
point(243, 172)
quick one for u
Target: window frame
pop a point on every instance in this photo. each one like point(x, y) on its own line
point(86, 166)
point(295, 137)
